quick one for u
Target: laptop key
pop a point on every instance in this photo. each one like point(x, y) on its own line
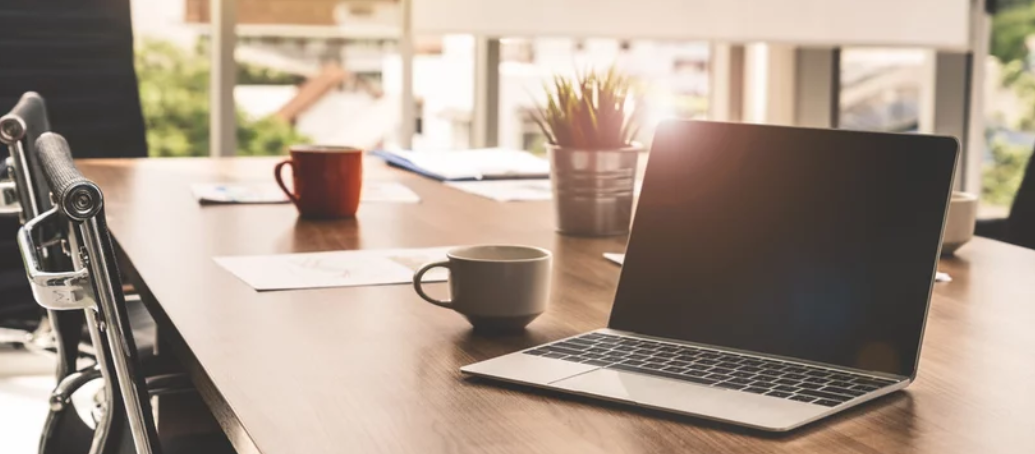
point(598, 350)
point(660, 373)
point(784, 381)
point(762, 384)
point(719, 370)
point(739, 381)
point(827, 402)
point(536, 352)
point(665, 355)
point(729, 385)
point(708, 362)
point(816, 380)
point(823, 395)
point(566, 351)
point(624, 348)
point(656, 366)
point(699, 366)
point(841, 384)
point(686, 358)
point(786, 389)
point(847, 392)
point(555, 355)
point(638, 357)
point(865, 388)
point(769, 372)
point(718, 377)
point(695, 373)
point(597, 362)
point(809, 385)
point(801, 398)
point(678, 363)
point(756, 390)
point(780, 394)
point(794, 376)
point(632, 362)
point(818, 373)
point(727, 365)
point(873, 382)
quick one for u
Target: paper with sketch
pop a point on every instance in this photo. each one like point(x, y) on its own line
point(476, 164)
point(334, 269)
point(265, 192)
point(507, 190)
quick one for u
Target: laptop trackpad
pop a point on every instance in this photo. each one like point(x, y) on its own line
point(760, 411)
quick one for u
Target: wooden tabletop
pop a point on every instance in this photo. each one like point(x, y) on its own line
point(375, 369)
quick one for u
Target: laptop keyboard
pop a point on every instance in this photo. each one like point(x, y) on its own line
point(779, 379)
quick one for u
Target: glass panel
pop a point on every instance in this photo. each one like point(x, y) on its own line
point(1009, 97)
point(880, 89)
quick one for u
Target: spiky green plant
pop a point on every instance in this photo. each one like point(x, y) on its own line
point(588, 112)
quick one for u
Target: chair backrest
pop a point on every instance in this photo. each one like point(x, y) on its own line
point(79, 53)
point(93, 284)
point(19, 130)
point(1020, 227)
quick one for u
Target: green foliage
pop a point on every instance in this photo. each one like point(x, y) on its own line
point(174, 93)
point(1010, 28)
point(588, 112)
point(1003, 175)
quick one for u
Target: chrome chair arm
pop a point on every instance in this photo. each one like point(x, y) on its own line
point(59, 291)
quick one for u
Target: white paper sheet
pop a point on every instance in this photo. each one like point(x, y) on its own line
point(265, 192)
point(334, 269)
point(615, 257)
point(474, 164)
point(507, 190)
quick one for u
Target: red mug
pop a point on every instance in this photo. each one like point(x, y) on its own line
point(327, 180)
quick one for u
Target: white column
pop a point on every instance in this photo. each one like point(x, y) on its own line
point(486, 115)
point(975, 146)
point(945, 101)
point(223, 78)
point(408, 120)
point(817, 87)
point(725, 82)
point(769, 84)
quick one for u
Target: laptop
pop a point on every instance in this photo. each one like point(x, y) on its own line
point(774, 276)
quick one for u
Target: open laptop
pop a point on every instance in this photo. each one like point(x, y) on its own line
point(774, 276)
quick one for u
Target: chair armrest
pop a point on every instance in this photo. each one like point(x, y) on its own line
point(991, 228)
point(169, 384)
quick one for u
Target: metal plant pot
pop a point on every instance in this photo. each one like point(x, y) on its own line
point(593, 190)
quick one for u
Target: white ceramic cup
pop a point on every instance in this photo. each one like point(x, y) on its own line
point(959, 224)
point(498, 288)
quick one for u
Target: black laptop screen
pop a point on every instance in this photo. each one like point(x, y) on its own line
point(810, 244)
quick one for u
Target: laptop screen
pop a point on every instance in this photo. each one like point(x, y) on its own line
point(811, 244)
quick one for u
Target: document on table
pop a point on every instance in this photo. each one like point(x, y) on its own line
point(267, 192)
point(334, 269)
point(476, 164)
point(506, 190)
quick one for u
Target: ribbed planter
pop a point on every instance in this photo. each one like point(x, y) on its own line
point(593, 189)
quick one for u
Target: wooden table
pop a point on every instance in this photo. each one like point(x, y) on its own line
point(375, 369)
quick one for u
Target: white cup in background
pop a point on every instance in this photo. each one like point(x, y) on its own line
point(959, 225)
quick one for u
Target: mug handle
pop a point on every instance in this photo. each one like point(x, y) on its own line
point(420, 289)
point(280, 182)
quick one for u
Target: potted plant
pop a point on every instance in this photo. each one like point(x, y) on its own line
point(590, 130)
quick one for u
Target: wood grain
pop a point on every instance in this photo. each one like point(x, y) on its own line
point(375, 369)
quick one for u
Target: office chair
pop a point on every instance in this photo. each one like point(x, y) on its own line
point(79, 54)
point(92, 285)
point(1019, 227)
point(25, 196)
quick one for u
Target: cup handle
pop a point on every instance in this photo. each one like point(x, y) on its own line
point(280, 182)
point(420, 290)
